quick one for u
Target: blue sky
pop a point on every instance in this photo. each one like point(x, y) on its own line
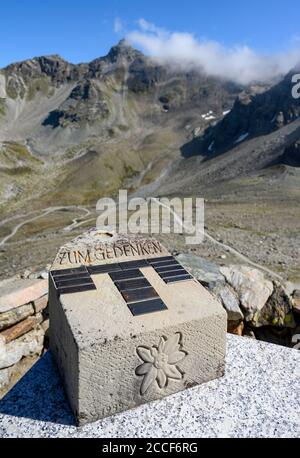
point(84, 29)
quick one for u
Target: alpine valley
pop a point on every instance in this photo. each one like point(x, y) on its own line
point(70, 134)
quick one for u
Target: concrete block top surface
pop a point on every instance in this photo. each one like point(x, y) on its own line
point(102, 314)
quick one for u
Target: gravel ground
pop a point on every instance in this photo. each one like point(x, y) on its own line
point(266, 231)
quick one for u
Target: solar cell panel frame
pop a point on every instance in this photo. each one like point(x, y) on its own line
point(136, 283)
point(127, 265)
point(126, 275)
point(138, 295)
point(73, 282)
point(104, 268)
point(174, 273)
point(70, 271)
point(145, 307)
point(172, 268)
point(72, 276)
point(76, 289)
point(179, 278)
point(162, 259)
point(165, 264)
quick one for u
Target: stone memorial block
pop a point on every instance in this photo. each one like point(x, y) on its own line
point(128, 324)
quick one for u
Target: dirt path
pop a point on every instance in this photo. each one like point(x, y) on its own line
point(78, 221)
point(75, 223)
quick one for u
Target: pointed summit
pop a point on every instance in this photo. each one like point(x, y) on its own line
point(123, 50)
point(123, 43)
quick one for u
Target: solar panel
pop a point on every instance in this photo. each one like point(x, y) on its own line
point(72, 281)
point(67, 281)
point(179, 278)
point(173, 273)
point(75, 270)
point(132, 284)
point(144, 307)
point(169, 269)
point(126, 274)
point(71, 276)
point(134, 295)
point(135, 289)
point(140, 296)
point(102, 269)
point(161, 259)
point(76, 289)
point(134, 264)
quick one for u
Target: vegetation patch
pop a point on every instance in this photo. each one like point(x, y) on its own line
point(38, 85)
point(11, 90)
point(129, 171)
point(2, 106)
point(123, 128)
point(13, 171)
point(16, 156)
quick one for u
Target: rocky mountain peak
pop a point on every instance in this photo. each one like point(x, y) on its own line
point(25, 72)
point(53, 64)
point(35, 62)
point(258, 110)
point(123, 50)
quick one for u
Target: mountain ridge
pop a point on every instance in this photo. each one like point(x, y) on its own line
point(122, 47)
point(129, 115)
point(72, 133)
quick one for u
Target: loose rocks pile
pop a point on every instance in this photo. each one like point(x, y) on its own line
point(256, 306)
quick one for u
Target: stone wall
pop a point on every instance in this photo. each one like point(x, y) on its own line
point(23, 327)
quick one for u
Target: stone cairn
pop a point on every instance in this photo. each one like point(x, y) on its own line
point(23, 326)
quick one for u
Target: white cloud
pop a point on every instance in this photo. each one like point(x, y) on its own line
point(118, 25)
point(240, 63)
point(146, 26)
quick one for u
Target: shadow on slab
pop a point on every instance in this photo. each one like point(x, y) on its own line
point(39, 395)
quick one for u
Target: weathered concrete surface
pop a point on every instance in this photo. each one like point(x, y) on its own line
point(16, 292)
point(257, 397)
point(112, 361)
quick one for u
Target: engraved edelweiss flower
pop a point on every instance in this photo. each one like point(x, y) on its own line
point(160, 362)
